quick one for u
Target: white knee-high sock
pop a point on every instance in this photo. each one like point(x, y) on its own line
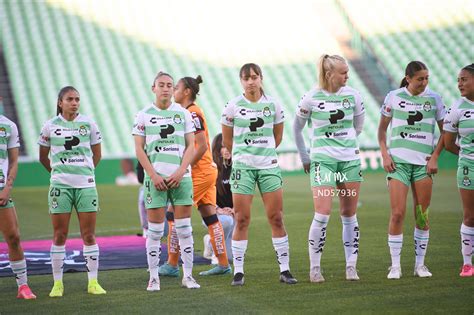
point(282, 250)
point(153, 247)
point(91, 256)
point(350, 238)
point(238, 251)
point(395, 243)
point(467, 243)
point(184, 230)
point(421, 245)
point(19, 269)
point(57, 261)
point(317, 238)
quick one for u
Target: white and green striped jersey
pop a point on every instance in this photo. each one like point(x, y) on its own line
point(9, 139)
point(331, 120)
point(414, 118)
point(164, 131)
point(460, 119)
point(254, 142)
point(70, 150)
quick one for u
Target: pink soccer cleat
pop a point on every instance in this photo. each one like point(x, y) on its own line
point(24, 292)
point(467, 271)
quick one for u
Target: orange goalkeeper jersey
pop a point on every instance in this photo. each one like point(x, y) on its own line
point(205, 164)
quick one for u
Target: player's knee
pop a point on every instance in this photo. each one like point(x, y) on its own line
point(397, 217)
point(276, 221)
point(88, 239)
point(242, 222)
point(13, 239)
point(60, 237)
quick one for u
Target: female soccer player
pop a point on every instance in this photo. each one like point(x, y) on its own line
point(204, 174)
point(70, 150)
point(252, 129)
point(459, 122)
point(225, 207)
point(336, 114)
point(413, 111)
point(9, 144)
point(167, 131)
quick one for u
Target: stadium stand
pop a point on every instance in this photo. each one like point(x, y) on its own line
point(47, 47)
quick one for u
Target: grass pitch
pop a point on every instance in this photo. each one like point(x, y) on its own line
point(262, 293)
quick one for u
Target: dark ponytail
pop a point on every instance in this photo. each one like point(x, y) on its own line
point(61, 93)
point(412, 68)
point(193, 85)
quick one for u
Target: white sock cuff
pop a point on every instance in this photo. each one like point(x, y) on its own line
point(155, 230)
point(240, 244)
point(421, 234)
point(321, 219)
point(58, 252)
point(183, 227)
point(393, 240)
point(349, 220)
point(90, 250)
point(467, 230)
point(280, 241)
point(18, 265)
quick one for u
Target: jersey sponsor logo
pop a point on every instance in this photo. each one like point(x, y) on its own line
point(166, 149)
point(243, 112)
point(467, 114)
point(166, 130)
point(63, 160)
point(345, 103)
point(414, 116)
point(427, 107)
point(154, 120)
point(256, 123)
point(57, 132)
point(321, 106)
point(94, 202)
point(405, 135)
point(402, 104)
point(197, 121)
point(335, 116)
point(267, 112)
point(3, 132)
point(90, 180)
point(71, 142)
point(256, 141)
point(82, 130)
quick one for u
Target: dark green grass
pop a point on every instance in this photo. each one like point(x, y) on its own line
point(262, 293)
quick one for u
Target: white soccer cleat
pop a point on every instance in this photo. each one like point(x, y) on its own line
point(315, 275)
point(395, 273)
point(189, 283)
point(422, 272)
point(153, 285)
point(207, 252)
point(351, 273)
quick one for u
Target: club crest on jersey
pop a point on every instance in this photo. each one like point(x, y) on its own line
point(148, 199)
point(82, 130)
point(267, 112)
point(466, 181)
point(3, 132)
point(345, 103)
point(177, 119)
point(427, 107)
point(54, 203)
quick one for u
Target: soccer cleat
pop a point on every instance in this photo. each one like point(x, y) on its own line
point(189, 283)
point(351, 273)
point(57, 290)
point(287, 277)
point(167, 270)
point(238, 279)
point(467, 271)
point(217, 270)
point(24, 292)
point(153, 285)
point(422, 272)
point(94, 287)
point(207, 252)
point(315, 275)
point(395, 273)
